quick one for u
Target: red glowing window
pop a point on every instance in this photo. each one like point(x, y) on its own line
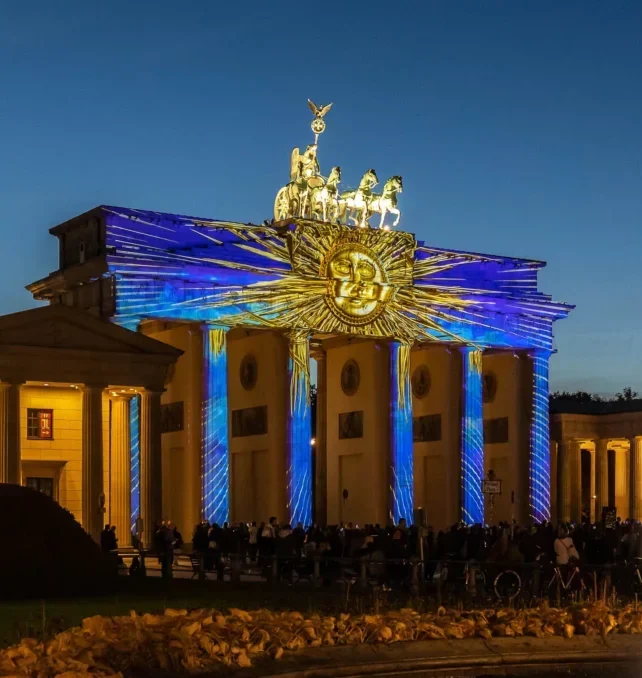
point(39, 424)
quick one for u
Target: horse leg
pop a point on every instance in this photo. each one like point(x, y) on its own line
point(365, 215)
point(396, 211)
point(383, 216)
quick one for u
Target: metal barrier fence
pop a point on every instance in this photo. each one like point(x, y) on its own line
point(441, 578)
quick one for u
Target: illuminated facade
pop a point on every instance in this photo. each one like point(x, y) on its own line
point(224, 292)
point(596, 459)
point(431, 364)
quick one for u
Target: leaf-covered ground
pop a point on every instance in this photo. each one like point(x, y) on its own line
point(201, 640)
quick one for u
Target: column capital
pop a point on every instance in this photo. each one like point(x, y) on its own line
point(5, 383)
point(401, 342)
point(298, 336)
point(115, 395)
point(89, 387)
point(206, 327)
point(150, 391)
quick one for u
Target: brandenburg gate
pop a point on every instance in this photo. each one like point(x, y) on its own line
point(431, 365)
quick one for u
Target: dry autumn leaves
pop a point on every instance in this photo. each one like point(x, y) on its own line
point(200, 640)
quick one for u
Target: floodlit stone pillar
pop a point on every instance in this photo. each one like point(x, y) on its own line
point(299, 431)
point(539, 459)
point(635, 492)
point(575, 479)
point(601, 476)
point(151, 478)
point(402, 477)
point(554, 479)
point(320, 443)
point(10, 433)
point(565, 453)
point(215, 451)
point(120, 468)
point(93, 497)
point(472, 437)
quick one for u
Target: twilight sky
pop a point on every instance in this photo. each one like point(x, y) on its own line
point(517, 127)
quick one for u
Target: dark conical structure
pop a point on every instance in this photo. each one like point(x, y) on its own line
point(45, 552)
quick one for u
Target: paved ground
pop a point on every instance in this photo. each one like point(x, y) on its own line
point(580, 657)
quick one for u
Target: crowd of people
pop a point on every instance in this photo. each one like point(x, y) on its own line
point(502, 544)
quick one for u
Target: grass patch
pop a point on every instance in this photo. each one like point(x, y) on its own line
point(38, 618)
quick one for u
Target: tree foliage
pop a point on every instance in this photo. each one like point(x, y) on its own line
point(625, 395)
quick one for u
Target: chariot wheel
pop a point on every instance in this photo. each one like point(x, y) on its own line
point(282, 204)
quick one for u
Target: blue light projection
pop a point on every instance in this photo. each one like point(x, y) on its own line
point(184, 268)
point(214, 445)
point(134, 423)
point(401, 448)
point(472, 438)
point(277, 276)
point(299, 481)
point(540, 463)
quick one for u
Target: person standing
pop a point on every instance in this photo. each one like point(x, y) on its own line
point(299, 539)
point(565, 550)
point(253, 536)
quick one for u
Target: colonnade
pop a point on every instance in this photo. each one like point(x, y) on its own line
point(93, 482)
point(215, 447)
point(617, 484)
point(136, 479)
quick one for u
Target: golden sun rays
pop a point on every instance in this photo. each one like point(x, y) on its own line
point(329, 278)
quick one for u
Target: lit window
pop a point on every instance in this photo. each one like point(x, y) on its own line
point(39, 424)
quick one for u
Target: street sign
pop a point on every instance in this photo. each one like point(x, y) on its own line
point(492, 487)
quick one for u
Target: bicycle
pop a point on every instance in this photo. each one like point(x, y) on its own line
point(570, 582)
point(507, 585)
point(628, 580)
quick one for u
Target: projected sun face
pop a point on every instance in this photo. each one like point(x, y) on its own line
point(357, 289)
point(337, 280)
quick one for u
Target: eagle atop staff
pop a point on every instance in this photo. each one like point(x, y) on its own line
point(318, 124)
point(319, 111)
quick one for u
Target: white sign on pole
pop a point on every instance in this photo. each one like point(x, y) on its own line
point(492, 486)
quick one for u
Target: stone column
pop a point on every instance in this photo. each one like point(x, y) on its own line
point(321, 441)
point(574, 451)
point(472, 437)
point(10, 433)
point(539, 464)
point(635, 475)
point(299, 431)
point(120, 500)
point(622, 480)
point(93, 496)
point(134, 429)
point(151, 475)
point(565, 453)
point(601, 476)
point(194, 426)
point(402, 476)
point(215, 457)
point(554, 479)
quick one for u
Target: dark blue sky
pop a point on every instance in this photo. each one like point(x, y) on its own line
point(517, 127)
